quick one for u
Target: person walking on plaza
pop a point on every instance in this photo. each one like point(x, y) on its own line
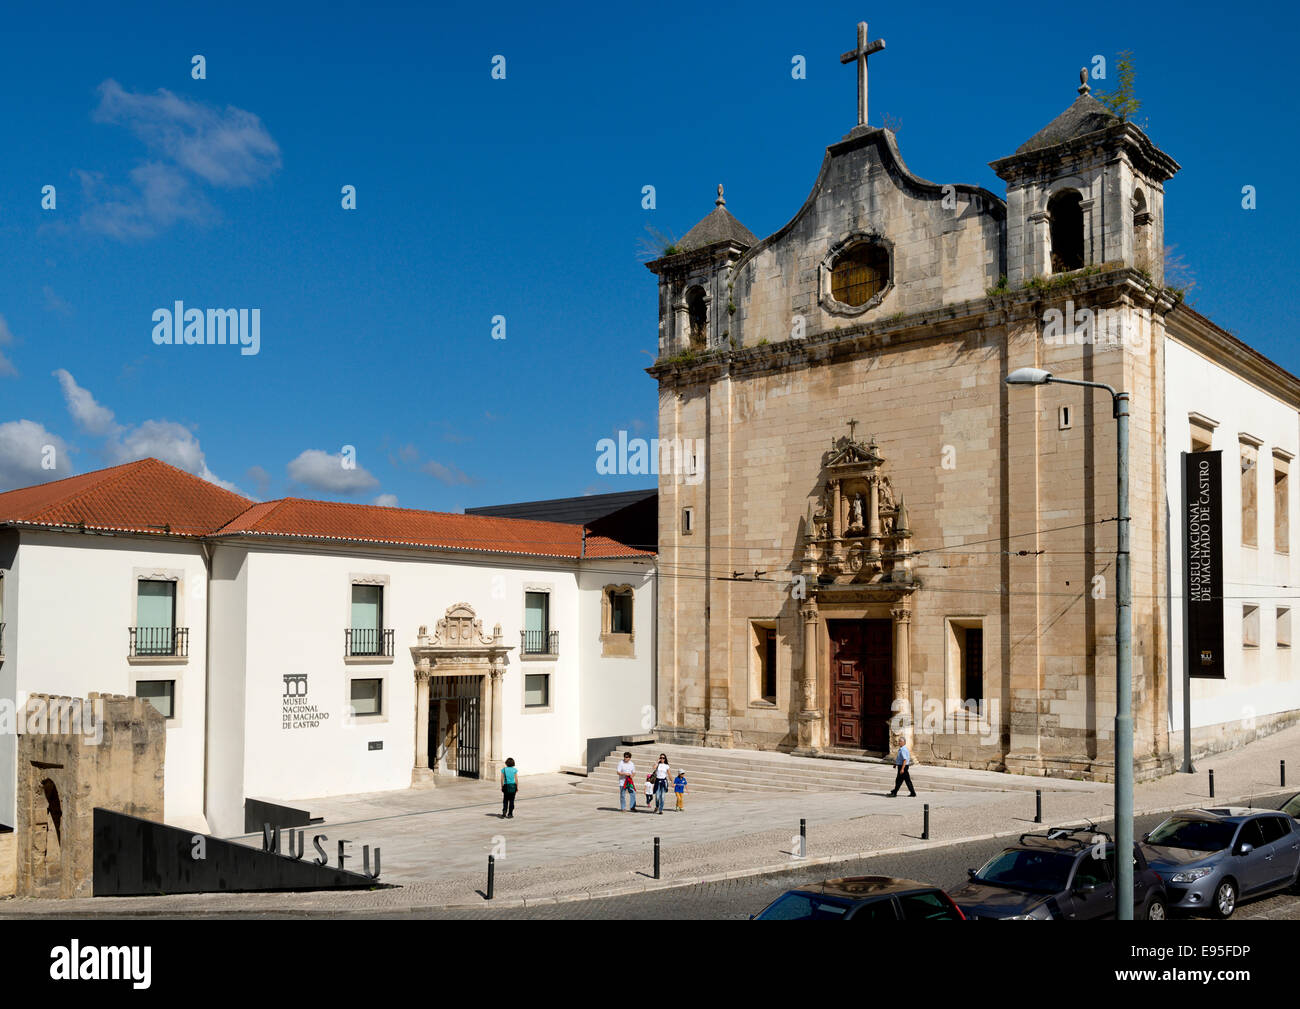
point(626, 783)
point(902, 761)
point(509, 786)
point(661, 783)
point(679, 788)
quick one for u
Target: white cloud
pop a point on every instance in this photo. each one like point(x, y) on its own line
point(162, 439)
point(448, 474)
point(189, 144)
point(386, 501)
point(90, 416)
point(24, 447)
point(324, 472)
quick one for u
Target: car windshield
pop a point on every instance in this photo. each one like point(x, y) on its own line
point(1034, 871)
point(1292, 806)
point(1195, 835)
point(796, 906)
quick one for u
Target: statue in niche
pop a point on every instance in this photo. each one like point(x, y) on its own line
point(855, 513)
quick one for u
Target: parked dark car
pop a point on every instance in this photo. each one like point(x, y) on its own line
point(1063, 873)
point(1210, 858)
point(863, 898)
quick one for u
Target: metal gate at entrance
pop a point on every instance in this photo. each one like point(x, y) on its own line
point(454, 723)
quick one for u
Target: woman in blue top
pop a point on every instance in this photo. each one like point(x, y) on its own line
point(509, 786)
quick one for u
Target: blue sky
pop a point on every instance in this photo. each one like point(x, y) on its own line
point(518, 197)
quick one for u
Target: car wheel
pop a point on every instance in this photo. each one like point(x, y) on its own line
point(1225, 899)
point(1156, 910)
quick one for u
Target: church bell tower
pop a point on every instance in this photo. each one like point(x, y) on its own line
point(1087, 189)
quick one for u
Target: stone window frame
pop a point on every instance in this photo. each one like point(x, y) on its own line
point(177, 576)
point(827, 266)
point(954, 671)
point(688, 520)
point(350, 717)
point(178, 690)
point(384, 583)
point(1282, 626)
point(1201, 429)
point(616, 645)
point(756, 697)
point(1282, 529)
point(549, 589)
point(1248, 447)
point(1250, 625)
point(538, 709)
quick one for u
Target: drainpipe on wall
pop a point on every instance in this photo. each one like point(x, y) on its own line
point(207, 673)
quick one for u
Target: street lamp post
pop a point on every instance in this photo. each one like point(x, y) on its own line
point(1123, 641)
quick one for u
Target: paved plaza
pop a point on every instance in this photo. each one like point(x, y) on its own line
point(568, 844)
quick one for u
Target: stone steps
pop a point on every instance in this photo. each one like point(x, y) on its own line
point(744, 771)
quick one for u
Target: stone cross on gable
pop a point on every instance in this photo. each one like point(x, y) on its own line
point(860, 54)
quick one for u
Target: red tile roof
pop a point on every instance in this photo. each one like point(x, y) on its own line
point(146, 496)
point(297, 518)
point(151, 497)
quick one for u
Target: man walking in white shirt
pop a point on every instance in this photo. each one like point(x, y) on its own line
point(626, 783)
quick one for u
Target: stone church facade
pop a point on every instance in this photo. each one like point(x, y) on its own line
point(888, 541)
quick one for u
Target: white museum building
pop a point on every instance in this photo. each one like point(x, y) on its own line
point(302, 649)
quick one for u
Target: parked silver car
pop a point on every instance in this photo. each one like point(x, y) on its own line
point(1211, 858)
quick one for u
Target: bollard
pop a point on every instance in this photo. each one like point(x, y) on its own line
point(925, 831)
point(1283, 771)
point(1211, 784)
point(656, 858)
point(803, 836)
point(492, 871)
point(1038, 805)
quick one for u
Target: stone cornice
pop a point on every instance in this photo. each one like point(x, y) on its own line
point(1105, 286)
point(1150, 159)
point(1199, 334)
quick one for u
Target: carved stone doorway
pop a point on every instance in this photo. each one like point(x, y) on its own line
point(862, 679)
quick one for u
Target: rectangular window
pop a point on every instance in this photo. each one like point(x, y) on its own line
point(973, 664)
point(155, 618)
point(1281, 508)
point(620, 612)
point(965, 676)
point(688, 521)
point(1250, 626)
point(537, 690)
point(1249, 495)
point(763, 660)
point(368, 697)
point(537, 623)
point(769, 664)
point(367, 619)
point(1283, 627)
point(160, 693)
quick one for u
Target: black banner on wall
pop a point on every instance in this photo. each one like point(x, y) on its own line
point(1203, 562)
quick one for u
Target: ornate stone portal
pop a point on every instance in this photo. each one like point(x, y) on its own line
point(857, 565)
point(459, 648)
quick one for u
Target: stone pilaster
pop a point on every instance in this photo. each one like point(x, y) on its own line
point(902, 617)
point(422, 775)
point(812, 723)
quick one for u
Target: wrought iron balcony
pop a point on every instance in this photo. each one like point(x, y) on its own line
point(540, 642)
point(159, 641)
point(368, 641)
